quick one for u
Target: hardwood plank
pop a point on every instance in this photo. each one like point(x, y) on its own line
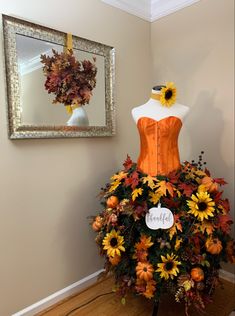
point(110, 305)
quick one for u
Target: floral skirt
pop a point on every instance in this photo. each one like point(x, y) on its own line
point(182, 260)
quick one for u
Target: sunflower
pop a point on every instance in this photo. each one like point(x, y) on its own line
point(113, 243)
point(168, 94)
point(169, 266)
point(201, 205)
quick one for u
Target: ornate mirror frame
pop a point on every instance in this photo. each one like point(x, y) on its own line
point(16, 129)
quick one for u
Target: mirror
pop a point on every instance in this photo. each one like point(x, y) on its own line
point(31, 110)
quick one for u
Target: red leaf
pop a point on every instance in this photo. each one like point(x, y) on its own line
point(225, 204)
point(187, 188)
point(220, 181)
point(207, 172)
point(224, 223)
point(133, 180)
point(218, 196)
point(171, 203)
point(128, 163)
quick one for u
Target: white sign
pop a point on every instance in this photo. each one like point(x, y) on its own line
point(159, 217)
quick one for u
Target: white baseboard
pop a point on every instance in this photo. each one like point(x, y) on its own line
point(60, 295)
point(228, 276)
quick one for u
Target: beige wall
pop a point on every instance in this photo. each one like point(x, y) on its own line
point(49, 187)
point(194, 48)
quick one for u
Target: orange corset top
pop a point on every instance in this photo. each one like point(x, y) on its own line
point(159, 154)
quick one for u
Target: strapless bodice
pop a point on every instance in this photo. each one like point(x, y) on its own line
point(159, 154)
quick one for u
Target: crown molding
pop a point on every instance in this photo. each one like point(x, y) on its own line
point(161, 8)
point(140, 8)
point(150, 10)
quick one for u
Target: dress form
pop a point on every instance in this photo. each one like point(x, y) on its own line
point(159, 127)
point(155, 110)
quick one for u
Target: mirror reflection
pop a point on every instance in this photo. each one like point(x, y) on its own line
point(36, 104)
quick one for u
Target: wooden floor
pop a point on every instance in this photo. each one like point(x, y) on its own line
point(110, 305)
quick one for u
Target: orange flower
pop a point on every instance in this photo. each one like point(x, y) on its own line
point(150, 289)
point(210, 184)
point(144, 271)
point(147, 289)
point(115, 260)
point(141, 255)
point(144, 244)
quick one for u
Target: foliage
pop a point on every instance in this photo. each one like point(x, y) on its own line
point(153, 262)
point(70, 80)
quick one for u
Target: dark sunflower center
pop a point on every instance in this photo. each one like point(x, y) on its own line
point(113, 242)
point(168, 94)
point(145, 269)
point(202, 206)
point(169, 266)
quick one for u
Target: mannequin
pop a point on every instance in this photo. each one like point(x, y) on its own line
point(159, 122)
point(155, 110)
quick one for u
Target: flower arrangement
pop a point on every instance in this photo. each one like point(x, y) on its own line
point(183, 260)
point(70, 80)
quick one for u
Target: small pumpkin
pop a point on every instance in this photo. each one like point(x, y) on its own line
point(115, 260)
point(144, 271)
point(197, 274)
point(112, 201)
point(213, 246)
point(97, 224)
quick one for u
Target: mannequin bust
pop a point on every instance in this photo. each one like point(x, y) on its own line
point(155, 110)
point(159, 122)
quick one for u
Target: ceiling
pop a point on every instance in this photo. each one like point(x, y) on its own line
point(150, 10)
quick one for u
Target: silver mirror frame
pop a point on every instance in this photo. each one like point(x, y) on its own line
point(16, 130)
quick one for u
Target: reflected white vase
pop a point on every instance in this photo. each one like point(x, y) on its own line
point(78, 118)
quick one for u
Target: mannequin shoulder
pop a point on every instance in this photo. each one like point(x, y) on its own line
point(138, 111)
point(182, 109)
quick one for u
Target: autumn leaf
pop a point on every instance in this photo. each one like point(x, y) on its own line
point(171, 203)
point(154, 197)
point(217, 197)
point(206, 226)
point(114, 186)
point(220, 181)
point(176, 227)
point(224, 223)
point(150, 181)
point(133, 180)
point(121, 175)
point(128, 163)
point(136, 193)
point(187, 188)
point(164, 186)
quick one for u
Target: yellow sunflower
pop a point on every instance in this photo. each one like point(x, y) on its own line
point(113, 243)
point(168, 94)
point(169, 266)
point(201, 205)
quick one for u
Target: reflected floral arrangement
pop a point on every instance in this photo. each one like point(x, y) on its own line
point(70, 80)
point(184, 260)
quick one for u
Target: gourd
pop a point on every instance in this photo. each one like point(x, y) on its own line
point(213, 246)
point(197, 274)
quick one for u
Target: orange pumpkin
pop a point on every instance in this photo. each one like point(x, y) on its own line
point(112, 201)
point(213, 246)
point(115, 260)
point(97, 224)
point(144, 271)
point(197, 274)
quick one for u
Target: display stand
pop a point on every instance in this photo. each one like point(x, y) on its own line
point(155, 308)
